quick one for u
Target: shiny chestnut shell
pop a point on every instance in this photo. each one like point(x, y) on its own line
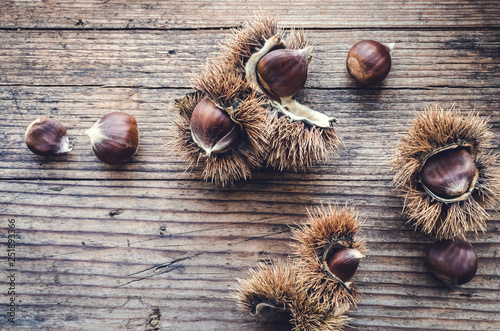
point(453, 261)
point(212, 128)
point(114, 138)
point(344, 262)
point(47, 136)
point(283, 72)
point(449, 173)
point(369, 62)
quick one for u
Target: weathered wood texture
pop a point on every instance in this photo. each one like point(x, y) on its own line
point(116, 14)
point(112, 248)
point(118, 58)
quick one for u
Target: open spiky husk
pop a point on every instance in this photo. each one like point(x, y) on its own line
point(326, 225)
point(294, 145)
point(251, 36)
point(297, 146)
point(228, 90)
point(274, 284)
point(310, 315)
point(277, 285)
point(436, 128)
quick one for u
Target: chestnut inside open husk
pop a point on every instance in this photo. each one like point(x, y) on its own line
point(446, 173)
point(283, 72)
point(449, 173)
point(344, 262)
point(212, 129)
point(328, 256)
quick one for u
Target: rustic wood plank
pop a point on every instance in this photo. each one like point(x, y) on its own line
point(146, 244)
point(421, 58)
point(372, 121)
point(138, 14)
point(101, 247)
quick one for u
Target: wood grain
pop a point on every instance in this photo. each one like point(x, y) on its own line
point(177, 14)
point(92, 253)
point(150, 246)
point(371, 122)
point(166, 59)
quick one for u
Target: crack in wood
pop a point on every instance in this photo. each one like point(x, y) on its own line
point(262, 237)
point(159, 269)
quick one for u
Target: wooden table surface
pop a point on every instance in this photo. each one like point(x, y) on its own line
point(149, 246)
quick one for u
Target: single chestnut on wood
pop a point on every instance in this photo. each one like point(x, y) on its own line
point(212, 129)
point(454, 261)
point(114, 138)
point(46, 136)
point(369, 62)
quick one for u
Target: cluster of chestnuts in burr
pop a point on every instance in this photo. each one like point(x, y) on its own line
point(245, 112)
point(114, 138)
point(312, 289)
point(448, 178)
point(449, 175)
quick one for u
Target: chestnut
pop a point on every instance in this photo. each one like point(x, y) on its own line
point(454, 261)
point(276, 65)
point(114, 138)
point(212, 129)
point(327, 256)
point(344, 262)
point(449, 173)
point(46, 136)
point(369, 62)
point(283, 72)
point(445, 173)
point(273, 292)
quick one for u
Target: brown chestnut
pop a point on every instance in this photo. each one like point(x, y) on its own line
point(212, 129)
point(452, 261)
point(369, 62)
point(114, 138)
point(47, 136)
point(283, 72)
point(449, 173)
point(344, 262)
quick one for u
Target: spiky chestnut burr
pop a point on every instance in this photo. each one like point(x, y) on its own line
point(271, 293)
point(327, 256)
point(445, 173)
point(222, 124)
point(310, 315)
point(298, 135)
